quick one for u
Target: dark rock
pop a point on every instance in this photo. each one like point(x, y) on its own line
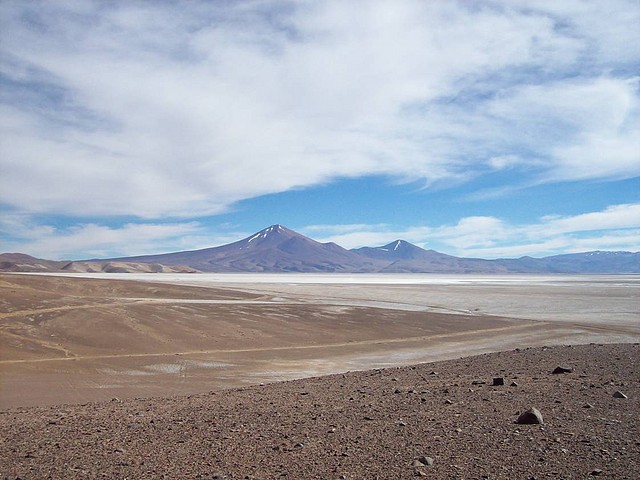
point(423, 461)
point(595, 472)
point(514, 384)
point(559, 369)
point(619, 394)
point(497, 381)
point(530, 417)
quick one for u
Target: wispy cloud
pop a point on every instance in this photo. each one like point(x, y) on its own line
point(154, 109)
point(615, 228)
point(90, 240)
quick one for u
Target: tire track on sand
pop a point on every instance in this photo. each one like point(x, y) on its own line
point(380, 341)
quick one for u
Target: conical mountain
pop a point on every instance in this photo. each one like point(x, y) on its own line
point(404, 257)
point(273, 249)
point(278, 249)
point(399, 250)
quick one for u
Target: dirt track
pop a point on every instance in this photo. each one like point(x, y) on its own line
point(76, 339)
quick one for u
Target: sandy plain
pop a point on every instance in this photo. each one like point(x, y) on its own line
point(76, 339)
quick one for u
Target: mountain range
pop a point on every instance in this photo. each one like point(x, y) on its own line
point(279, 249)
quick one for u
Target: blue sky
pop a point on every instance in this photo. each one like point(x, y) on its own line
point(489, 129)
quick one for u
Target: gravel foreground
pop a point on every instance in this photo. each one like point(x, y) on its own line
point(439, 420)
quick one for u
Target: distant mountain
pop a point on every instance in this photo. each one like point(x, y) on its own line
point(19, 262)
point(274, 249)
point(591, 262)
point(125, 267)
point(404, 257)
point(278, 249)
point(398, 250)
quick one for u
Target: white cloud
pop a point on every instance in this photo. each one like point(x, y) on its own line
point(160, 110)
point(83, 241)
point(613, 217)
point(614, 228)
point(361, 235)
point(608, 27)
point(502, 162)
point(627, 240)
point(581, 129)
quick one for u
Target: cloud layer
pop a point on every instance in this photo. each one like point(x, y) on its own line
point(615, 228)
point(150, 109)
point(124, 124)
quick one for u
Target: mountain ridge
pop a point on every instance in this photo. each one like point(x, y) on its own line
point(278, 249)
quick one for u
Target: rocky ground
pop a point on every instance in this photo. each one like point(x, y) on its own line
point(439, 420)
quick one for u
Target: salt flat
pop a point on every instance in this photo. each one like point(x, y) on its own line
point(89, 337)
point(599, 299)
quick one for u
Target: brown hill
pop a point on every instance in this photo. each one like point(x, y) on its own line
point(125, 267)
point(19, 262)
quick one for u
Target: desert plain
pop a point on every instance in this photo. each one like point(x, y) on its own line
point(212, 369)
point(74, 339)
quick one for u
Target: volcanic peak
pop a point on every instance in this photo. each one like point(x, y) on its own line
point(275, 234)
point(273, 229)
point(395, 246)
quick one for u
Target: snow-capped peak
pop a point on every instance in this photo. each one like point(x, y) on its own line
point(262, 234)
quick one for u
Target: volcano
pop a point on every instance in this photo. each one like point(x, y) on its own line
point(273, 249)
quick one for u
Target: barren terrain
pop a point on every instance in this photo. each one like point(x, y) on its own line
point(168, 376)
point(378, 424)
point(73, 340)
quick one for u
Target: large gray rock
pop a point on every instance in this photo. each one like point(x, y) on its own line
point(530, 417)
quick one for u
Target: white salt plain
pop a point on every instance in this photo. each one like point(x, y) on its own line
point(612, 300)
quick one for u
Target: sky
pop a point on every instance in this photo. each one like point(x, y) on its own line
point(476, 128)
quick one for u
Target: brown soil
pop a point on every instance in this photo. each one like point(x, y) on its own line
point(73, 340)
point(371, 424)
